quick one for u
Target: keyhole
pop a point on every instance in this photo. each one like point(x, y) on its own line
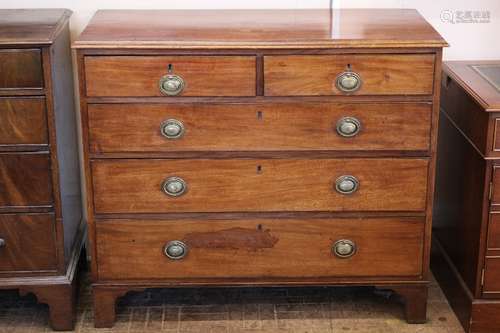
point(348, 67)
point(259, 169)
point(170, 68)
point(259, 115)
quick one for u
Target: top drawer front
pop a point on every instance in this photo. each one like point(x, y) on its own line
point(140, 75)
point(20, 69)
point(393, 74)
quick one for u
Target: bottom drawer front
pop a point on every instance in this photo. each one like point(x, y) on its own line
point(135, 249)
point(28, 242)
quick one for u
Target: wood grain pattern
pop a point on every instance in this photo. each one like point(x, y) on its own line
point(29, 242)
point(140, 75)
point(265, 29)
point(25, 180)
point(23, 121)
point(258, 127)
point(20, 68)
point(303, 75)
point(258, 248)
point(474, 84)
point(31, 26)
point(133, 186)
point(465, 113)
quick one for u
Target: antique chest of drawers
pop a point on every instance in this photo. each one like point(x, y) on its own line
point(242, 148)
point(466, 260)
point(41, 232)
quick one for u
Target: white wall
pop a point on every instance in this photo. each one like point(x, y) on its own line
point(467, 40)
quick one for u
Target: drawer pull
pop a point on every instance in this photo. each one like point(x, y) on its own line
point(344, 248)
point(171, 84)
point(174, 186)
point(2, 242)
point(175, 250)
point(348, 82)
point(346, 184)
point(348, 127)
point(172, 129)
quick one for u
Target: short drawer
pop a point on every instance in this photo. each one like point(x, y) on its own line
point(25, 180)
point(21, 69)
point(494, 232)
point(23, 121)
point(492, 275)
point(170, 75)
point(256, 248)
point(358, 74)
point(27, 242)
point(264, 126)
point(162, 186)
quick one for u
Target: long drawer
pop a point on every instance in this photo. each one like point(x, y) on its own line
point(23, 121)
point(25, 179)
point(189, 75)
point(358, 74)
point(162, 186)
point(258, 126)
point(256, 248)
point(28, 242)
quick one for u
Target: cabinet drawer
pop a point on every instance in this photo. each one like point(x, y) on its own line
point(254, 127)
point(492, 275)
point(20, 69)
point(141, 75)
point(494, 232)
point(25, 180)
point(256, 248)
point(23, 121)
point(28, 242)
point(390, 74)
point(140, 186)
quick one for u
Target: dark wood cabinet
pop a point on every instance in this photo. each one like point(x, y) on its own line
point(41, 226)
point(466, 248)
point(243, 148)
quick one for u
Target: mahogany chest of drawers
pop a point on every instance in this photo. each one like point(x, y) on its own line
point(41, 232)
point(467, 211)
point(240, 148)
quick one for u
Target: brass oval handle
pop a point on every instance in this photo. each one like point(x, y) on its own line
point(174, 186)
point(346, 184)
point(172, 129)
point(344, 248)
point(175, 250)
point(348, 82)
point(171, 84)
point(2, 242)
point(348, 127)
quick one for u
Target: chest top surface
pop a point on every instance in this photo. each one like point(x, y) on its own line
point(31, 26)
point(481, 80)
point(212, 29)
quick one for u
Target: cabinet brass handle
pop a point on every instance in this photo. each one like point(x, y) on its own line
point(346, 184)
point(175, 250)
point(172, 129)
point(344, 248)
point(171, 84)
point(348, 126)
point(2, 242)
point(348, 82)
point(174, 186)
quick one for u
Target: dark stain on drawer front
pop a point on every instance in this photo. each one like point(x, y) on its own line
point(233, 238)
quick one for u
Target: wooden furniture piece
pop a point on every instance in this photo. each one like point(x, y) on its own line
point(41, 232)
point(271, 147)
point(466, 255)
